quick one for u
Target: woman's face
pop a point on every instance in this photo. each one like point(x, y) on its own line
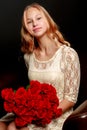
point(36, 22)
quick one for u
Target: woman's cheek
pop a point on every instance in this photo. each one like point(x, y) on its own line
point(30, 30)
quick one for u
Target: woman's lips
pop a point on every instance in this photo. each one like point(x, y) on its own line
point(37, 29)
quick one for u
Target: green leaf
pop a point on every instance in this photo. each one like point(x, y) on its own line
point(27, 87)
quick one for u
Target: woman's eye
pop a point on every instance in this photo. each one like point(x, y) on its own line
point(38, 18)
point(29, 22)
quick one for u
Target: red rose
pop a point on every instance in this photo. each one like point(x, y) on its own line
point(38, 104)
point(8, 106)
point(7, 94)
point(21, 96)
point(19, 122)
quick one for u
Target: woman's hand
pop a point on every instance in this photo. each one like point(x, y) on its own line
point(66, 105)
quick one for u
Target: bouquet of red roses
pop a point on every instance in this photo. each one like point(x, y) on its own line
point(37, 105)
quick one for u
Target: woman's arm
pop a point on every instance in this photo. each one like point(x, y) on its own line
point(65, 105)
point(71, 78)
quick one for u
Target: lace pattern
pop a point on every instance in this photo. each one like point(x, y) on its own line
point(63, 72)
point(71, 67)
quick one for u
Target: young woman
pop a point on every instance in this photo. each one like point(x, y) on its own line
point(49, 59)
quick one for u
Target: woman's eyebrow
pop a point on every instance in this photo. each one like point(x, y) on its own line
point(35, 16)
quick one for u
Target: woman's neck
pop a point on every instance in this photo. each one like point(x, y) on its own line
point(45, 43)
point(46, 49)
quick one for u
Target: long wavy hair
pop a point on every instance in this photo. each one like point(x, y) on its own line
point(29, 43)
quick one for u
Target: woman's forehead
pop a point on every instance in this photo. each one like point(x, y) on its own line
point(31, 11)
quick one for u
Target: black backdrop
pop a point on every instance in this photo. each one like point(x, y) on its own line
point(70, 15)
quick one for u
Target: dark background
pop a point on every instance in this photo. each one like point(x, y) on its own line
point(70, 15)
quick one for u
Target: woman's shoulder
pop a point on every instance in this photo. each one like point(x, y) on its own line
point(27, 59)
point(27, 56)
point(69, 50)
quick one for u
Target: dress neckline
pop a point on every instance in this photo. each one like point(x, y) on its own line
point(50, 59)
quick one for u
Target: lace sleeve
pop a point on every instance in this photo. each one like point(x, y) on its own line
point(26, 59)
point(71, 74)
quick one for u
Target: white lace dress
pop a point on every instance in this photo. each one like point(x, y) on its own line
point(63, 72)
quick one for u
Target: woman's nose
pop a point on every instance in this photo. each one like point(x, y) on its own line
point(34, 23)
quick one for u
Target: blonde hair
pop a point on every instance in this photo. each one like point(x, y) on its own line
point(28, 41)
